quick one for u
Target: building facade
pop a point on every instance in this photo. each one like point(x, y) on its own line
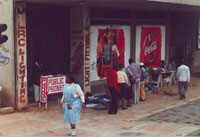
point(68, 37)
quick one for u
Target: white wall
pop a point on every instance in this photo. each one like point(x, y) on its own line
point(7, 75)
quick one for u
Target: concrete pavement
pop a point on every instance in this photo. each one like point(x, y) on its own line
point(34, 121)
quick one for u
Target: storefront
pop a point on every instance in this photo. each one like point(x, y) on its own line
point(42, 33)
point(68, 36)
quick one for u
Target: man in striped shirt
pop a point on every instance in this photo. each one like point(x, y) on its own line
point(135, 74)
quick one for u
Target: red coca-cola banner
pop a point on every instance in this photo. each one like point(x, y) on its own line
point(150, 47)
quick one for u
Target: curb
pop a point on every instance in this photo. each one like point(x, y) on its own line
point(6, 110)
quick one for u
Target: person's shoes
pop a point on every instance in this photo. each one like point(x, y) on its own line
point(124, 108)
point(73, 133)
point(69, 133)
point(181, 97)
point(112, 113)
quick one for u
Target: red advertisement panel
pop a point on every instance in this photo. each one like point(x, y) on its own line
point(50, 85)
point(110, 49)
point(43, 89)
point(150, 48)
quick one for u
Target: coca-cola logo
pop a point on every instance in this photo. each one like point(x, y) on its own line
point(150, 49)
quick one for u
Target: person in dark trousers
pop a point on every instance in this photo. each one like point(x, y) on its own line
point(123, 85)
point(183, 77)
point(129, 94)
point(112, 82)
point(36, 73)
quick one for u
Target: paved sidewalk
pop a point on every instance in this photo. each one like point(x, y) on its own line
point(134, 121)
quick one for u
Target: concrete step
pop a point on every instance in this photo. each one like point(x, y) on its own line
point(5, 110)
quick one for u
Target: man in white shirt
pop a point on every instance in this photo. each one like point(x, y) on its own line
point(183, 77)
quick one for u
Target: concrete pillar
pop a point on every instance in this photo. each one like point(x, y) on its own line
point(133, 35)
point(86, 53)
point(167, 43)
point(77, 43)
point(21, 57)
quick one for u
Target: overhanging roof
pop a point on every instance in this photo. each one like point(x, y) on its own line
point(162, 5)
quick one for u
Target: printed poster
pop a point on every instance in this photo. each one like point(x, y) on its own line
point(109, 45)
point(150, 46)
point(110, 49)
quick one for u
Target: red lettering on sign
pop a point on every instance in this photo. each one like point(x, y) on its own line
point(87, 57)
point(78, 64)
point(22, 95)
point(87, 75)
point(21, 52)
point(21, 35)
point(21, 31)
point(77, 58)
point(21, 42)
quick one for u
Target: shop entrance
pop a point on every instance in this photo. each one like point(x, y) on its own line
point(48, 38)
point(183, 52)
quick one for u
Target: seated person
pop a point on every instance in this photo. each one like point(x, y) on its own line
point(163, 65)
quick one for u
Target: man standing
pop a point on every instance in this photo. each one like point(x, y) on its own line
point(112, 82)
point(135, 74)
point(143, 81)
point(183, 77)
point(36, 73)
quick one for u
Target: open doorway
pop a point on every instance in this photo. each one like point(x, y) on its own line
point(48, 38)
point(183, 52)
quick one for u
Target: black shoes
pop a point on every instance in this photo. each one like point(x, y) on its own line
point(124, 108)
point(182, 97)
point(112, 113)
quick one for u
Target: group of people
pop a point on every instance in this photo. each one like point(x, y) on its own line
point(126, 85)
point(123, 83)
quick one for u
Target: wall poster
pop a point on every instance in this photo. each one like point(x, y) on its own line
point(109, 45)
point(150, 45)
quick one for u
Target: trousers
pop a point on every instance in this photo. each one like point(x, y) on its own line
point(182, 88)
point(36, 92)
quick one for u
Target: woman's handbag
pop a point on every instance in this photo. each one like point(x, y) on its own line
point(69, 105)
